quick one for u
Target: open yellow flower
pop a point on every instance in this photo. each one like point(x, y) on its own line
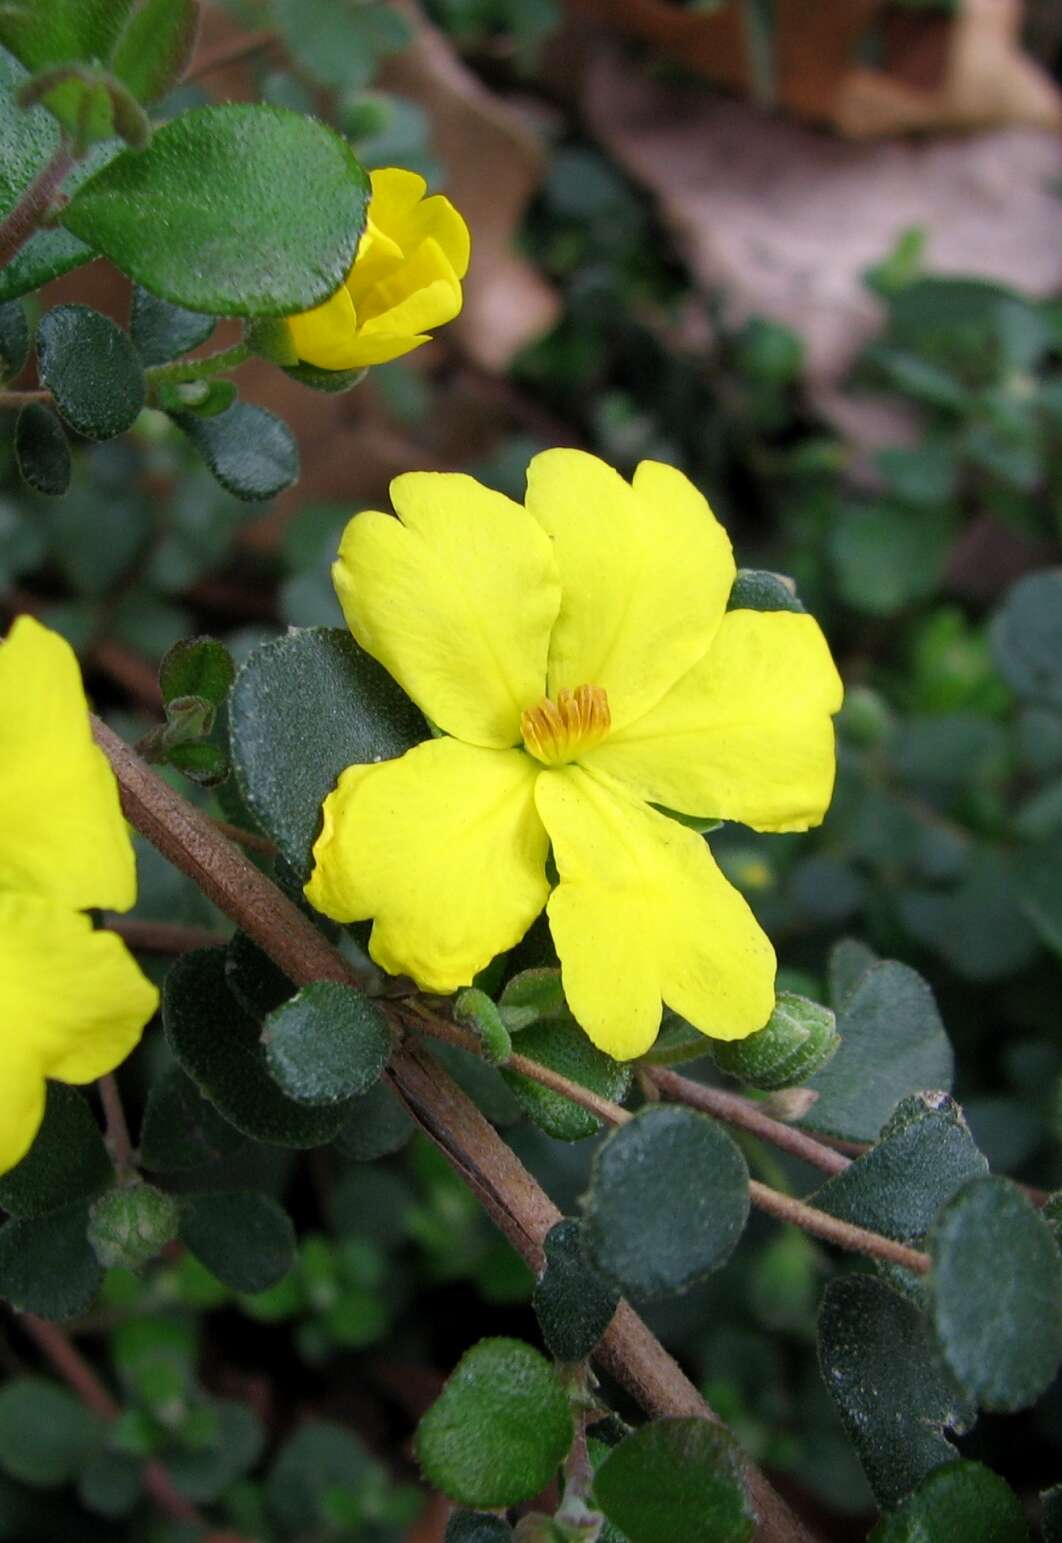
point(72, 1001)
point(405, 280)
point(577, 655)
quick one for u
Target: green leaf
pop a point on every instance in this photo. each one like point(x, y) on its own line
point(215, 1042)
point(960, 1500)
point(277, 199)
point(330, 381)
point(925, 1154)
point(53, 31)
point(91, 105)
point(317, 1459)
point(156, 47)
point(499, 1429)
point(46, 1433)
point(111, 1484)
point(204, 764)
point(1051, 1500)
point(243, 1237)
point(848, 963)
point(181, 1129)
point(798, 1039)
point(755, 589)
point(895, 1396)
point(197, 667)
point(47, 1265)
point(1039, 878)
point(573, 1303)
point(477, 1527)
point(162, 331)
point(66, 1162)
point(14, 339)
point(667, 1203)
point(892, 1043)
point(561, 1045)
point(1003, 1344)
point(251, 452)
point(92, 370)
point(304, 708)
point(1026, 638)
point(677, 1479)
point(376, 1126)
point(886, 557)
point(339, 43)
point(328, 1043)
point(255, 981)
point(41, 450)
point(203, 1474)
point(978, 926)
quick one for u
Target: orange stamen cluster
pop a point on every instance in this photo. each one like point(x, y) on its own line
point(560, 731)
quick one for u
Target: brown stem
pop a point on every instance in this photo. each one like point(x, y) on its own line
point(117, 1126)
point(246, 838)
point(20, 222)
point(78, 1375)
point(736, 1110)
point(510, 1195)
point(821, 1225)
point(162, 937)
point(20, 398)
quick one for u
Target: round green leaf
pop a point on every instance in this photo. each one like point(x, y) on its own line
point(960, 1500)
point(41, 450)
point(216, 1043)
point(181, 1129)
point(754, 589)
point(668, 1201)
point(676, 1479)
point(499, 1429)
point(318, 1458)
point(274, 199)
point(243, 1237)
point(573, 1303)
point(563, 1047)
point(111, 1484)
point(199, 667)
point(1004, 1345)
point(46, 1434)
point(1026, 637)
point(203, 1474)
point(329, 1042)
point(162, 331)
point(376, 1126)
point(156, 47)
point(47, 1265)
point(92, 370)
point(305, 707)
point(251, 452)
point(66, 1162)
point(14, 339)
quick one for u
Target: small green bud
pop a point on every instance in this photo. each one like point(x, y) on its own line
point(533, 996)
point(799, 1038)
point(130, 1225)
point(476, 1011)
point(866, 719)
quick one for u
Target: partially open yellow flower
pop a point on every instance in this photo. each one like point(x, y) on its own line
point(72, 1001)
point(579, 658)
point(406, 280)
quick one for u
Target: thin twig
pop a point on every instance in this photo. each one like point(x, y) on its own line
point(117, 1136)
point(821, 1225)
point(20, 398)
point(246, 838)
point(20, 222)
point(162, 937)
point(492, 1170)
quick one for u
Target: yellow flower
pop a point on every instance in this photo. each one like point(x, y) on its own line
point(405, 279)
point(72, 1001)
point(577, 654)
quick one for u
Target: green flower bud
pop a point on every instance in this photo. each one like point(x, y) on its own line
point(130, 1225)
point(799, 1038)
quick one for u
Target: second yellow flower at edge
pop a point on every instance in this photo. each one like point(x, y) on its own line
point(404, 281)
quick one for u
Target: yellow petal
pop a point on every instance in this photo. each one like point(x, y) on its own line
point(422, 293)
point(443, 849)
point(73, 1002)
point(645, 569)
point(456, 599)
point(399, 208)
point(746, 735)
point(396, 192)
point(61, 828)
point(22, 1106)
point(327, 335)
point(642, 917)
point(377, 256)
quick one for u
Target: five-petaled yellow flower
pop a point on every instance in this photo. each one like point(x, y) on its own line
point(72, 1001)
point(577, 655)
point(405, 280)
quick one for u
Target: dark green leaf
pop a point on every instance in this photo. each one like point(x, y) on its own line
point(111, 1484)
point(251, 452)
point(849, 962)
point(14, 339)
point(92, 370)
point(254, 980)
point(477, 1527)
point(162, 331)
point(340, 44)
point(1039, 876)
point(329, 1042)
point(677, 1479)
point(573, 1303)
point(895, 1396)
point(156, 47)
point(47, 1265)
point(204, 764)
point(978, 926)
point(757, 590)
point(1051, 1499)
point(41, 450)
point(330, 381)
point(924, 1155)
point(318, 1458)
point(1026, 638)
point(304, 708)
point(376, 1126)
point(66, 1162)
point(668, 1201)
point(962, 1501)
point(181, 1129)
point(886, 557)
point(562, 1046)
point(243, 1237)
point(499, 1429)
point(892, 1043)
point(46, 1433)
point(52, 31)
point(203, 1474)
point(218, 1046)
point(1000, 1331)
point(200, 667)
point(277, 200)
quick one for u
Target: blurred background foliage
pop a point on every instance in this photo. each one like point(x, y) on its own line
point(905, 473)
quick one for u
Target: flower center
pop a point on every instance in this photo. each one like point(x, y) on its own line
point(560, 731)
